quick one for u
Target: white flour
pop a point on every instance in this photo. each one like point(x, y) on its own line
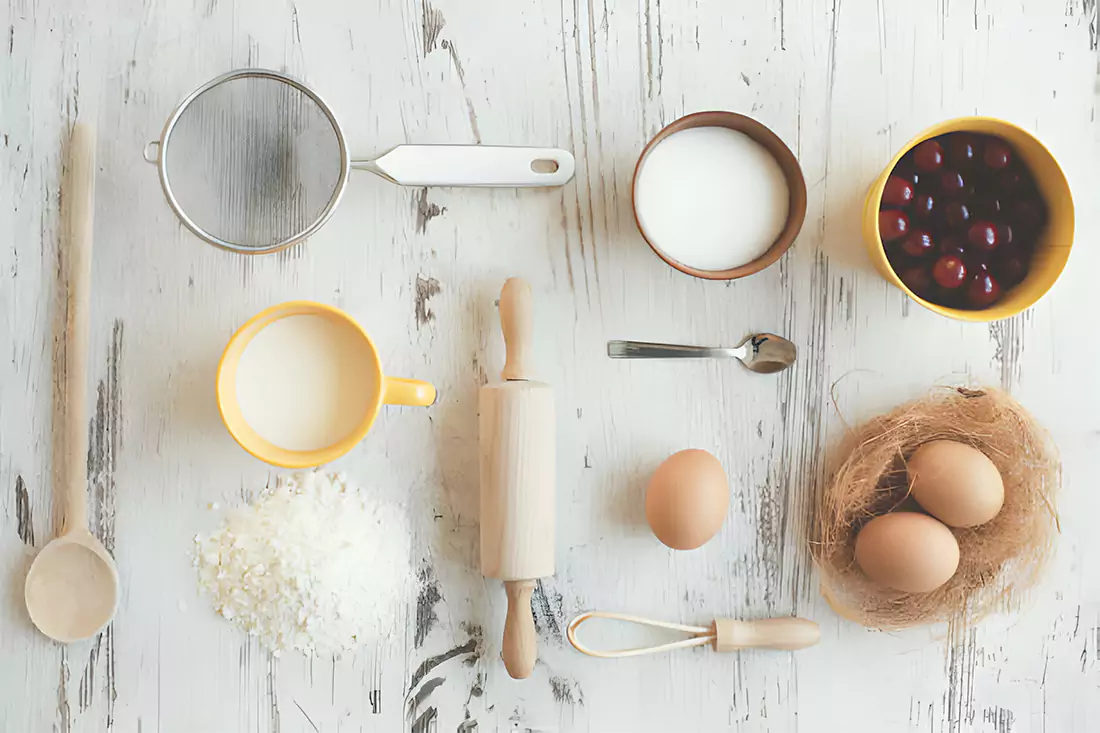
point(312, 565)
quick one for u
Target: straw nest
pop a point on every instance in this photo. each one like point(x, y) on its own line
point(997, 559)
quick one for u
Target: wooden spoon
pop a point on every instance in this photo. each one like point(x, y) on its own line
point(72, 586)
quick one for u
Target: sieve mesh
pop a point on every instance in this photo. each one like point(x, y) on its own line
point(253, 162)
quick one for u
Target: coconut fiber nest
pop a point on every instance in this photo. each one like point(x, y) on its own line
point(997, 559)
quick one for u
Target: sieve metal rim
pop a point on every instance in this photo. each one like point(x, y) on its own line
point(162, 164)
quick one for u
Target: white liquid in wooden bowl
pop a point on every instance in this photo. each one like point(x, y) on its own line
point(711, 198)
point(305, 382)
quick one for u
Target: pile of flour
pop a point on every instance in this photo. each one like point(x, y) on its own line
point(312, 565)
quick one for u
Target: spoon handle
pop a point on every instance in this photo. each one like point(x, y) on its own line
point(646, 350)
point(79, 190)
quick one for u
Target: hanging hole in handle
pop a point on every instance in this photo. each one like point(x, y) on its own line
point(151, 153)
point(544, 165)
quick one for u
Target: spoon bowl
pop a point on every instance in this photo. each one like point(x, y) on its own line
point(763, 353)
point(72, 587)
point(767, 353)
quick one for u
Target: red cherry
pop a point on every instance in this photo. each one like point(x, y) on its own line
point(952, 246)
point(983, 290)
point(971, 209)
point(928, 156)
point(952, 183)
point(997, 154)
point(983, 235)
point(957, 214)
point(949, 272)
point(954, 298)
point(1010, 270)
point(918, 244)
point(924, 206)
point(1029, 216)
point(1026, 246)
point(906, 171)
point(1013, 180)
point(961, 149)
point(987, 205)
point(976, 261)
point(892, 224)
point(917, 279)
point(897, 192)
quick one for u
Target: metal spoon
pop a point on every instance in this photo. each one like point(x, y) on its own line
point(764, 353)
point(72, 586)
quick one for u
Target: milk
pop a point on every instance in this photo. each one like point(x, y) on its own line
point(711, 198)
point(305, 382)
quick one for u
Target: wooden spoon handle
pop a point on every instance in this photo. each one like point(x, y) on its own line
point(79, 197)
point(516, 323)
point(520, 646)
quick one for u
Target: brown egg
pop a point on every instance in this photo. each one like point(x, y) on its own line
point(955, 483)
point(907, 551)
point(687, 499)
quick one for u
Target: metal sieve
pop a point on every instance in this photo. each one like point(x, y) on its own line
point(254, 161)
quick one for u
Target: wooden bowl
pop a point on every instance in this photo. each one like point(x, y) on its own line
point(1052, 249)
point(796, 184)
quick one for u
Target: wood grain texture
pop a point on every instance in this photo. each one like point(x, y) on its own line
point(517, 325)
point(79, 217)
point(516, 426)
point(770, 633)
point(843, 82)
point(519, 648)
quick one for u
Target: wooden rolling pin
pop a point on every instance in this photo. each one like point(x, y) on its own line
point(517, 461)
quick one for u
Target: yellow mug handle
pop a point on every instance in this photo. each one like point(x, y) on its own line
point(412, 392)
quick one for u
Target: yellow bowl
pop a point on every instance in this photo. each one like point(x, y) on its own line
point(1052, 250)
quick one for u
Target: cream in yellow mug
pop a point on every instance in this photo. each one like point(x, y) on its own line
point(300, 384)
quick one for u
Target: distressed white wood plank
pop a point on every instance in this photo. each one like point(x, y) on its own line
point(844, 82)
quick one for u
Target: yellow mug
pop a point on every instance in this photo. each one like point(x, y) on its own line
point(1052, 250)
point(356, 364)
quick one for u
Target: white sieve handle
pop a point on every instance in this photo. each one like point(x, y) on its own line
point(473, 165)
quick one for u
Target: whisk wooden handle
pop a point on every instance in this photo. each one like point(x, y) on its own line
point(520, 646)
point(770, 633)
point(516, 322)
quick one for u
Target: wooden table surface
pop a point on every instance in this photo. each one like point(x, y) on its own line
point(844, 82)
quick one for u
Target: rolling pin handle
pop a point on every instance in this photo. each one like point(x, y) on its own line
point(519, 648)
point(516, 323)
